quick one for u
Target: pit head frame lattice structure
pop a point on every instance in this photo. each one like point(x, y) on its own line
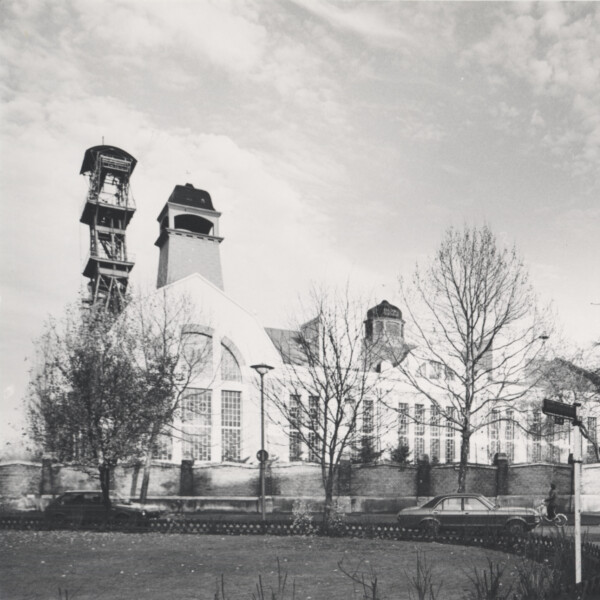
point(107, 211)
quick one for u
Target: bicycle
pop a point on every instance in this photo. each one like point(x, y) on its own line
point(558, 521)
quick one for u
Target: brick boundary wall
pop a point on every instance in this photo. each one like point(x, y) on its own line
point(366, 488)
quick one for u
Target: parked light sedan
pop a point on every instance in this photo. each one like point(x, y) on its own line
point(473, 511)
point(86, 506)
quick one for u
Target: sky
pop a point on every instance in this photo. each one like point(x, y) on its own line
point(338, 139)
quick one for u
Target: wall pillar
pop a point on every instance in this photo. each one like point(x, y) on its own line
point(424, 477)
point(344, 482)
point(501, 462)
point(47, 479)
point(186, 480)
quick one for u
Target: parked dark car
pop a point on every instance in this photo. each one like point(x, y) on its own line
point(86, 506)
point(473, 511)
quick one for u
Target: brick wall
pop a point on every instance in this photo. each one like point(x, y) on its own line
point(18, 479)
point(225, 480)
point(298, 479)
point(383, 480)
point(536, 479)
point(372, 487)
point(185, 254)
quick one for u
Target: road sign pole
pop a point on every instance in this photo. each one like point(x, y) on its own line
point(262, 447)
point(577, 459)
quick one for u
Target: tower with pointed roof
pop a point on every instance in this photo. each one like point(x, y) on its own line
point(189, 237)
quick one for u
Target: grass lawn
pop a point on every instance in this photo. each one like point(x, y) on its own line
point(90, 565)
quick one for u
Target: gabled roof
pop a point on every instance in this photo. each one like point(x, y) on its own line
point(287, 344)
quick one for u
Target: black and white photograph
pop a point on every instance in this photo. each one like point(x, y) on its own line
point(299, 300)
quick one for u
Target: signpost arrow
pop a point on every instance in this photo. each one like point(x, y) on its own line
point(559, 409)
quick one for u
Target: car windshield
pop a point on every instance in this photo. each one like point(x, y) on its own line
point(432, 502)
point(486, 502)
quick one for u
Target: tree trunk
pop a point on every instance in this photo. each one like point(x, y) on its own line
point(105, 469)
point(464, 457)
point(145, 478)
point(328, 502)
point(147, 467)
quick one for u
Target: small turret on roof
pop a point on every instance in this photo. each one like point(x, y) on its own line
point(91, 155)
point(188, 195)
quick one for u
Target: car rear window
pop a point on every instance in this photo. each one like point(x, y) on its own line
point(475, 504)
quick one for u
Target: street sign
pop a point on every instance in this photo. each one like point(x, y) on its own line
point(559, 409)
point(262, 456)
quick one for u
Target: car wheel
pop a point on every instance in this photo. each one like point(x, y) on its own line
point(515, 528)
point(430, 527)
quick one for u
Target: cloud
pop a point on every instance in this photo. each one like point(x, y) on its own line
point(358, 19)
point(548, 51)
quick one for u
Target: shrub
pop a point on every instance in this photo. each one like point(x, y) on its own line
point(303, 523)
point(400, 454)
point(336, 521)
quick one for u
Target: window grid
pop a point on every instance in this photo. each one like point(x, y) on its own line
point(435, 422)
point(435, 450)
point(450, 434)
point(231, 424)
point(163, 449)
point(535, 451)
point(419, 441)
point(313, 440)
point(450, 450)
point(295, 420)
point(402, 419)
point(436, 370)
point(197, 424)
point(419, 419)
point(198, 353)
point(592, 427)
point(509, 435)
point(367, 425)
point(494, 433)
point(419, 448)
point(230, 369)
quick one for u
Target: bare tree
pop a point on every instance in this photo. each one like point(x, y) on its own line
point(476, 334)
point(85, 402)
point(106, 387)
point(332, 389)
point(160, 327)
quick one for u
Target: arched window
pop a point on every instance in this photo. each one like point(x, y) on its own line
point(198, 354)
point(230, 369)
point(193, 223)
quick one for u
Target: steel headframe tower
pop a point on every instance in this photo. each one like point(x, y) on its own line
point(107, 211)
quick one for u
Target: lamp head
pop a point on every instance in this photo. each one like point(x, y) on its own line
point(262, 369)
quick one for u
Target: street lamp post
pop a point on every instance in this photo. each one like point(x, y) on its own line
point(262, 370)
